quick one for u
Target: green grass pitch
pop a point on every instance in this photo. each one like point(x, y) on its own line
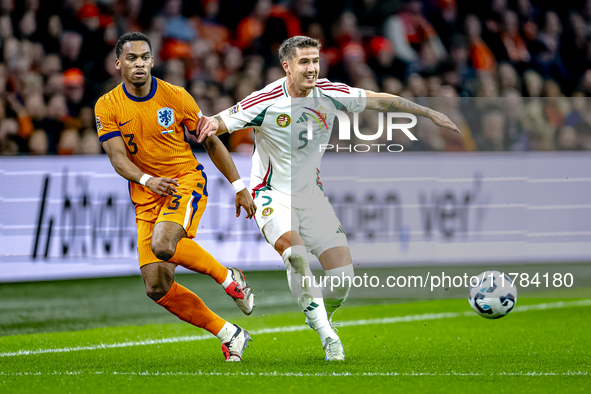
point(105, 335)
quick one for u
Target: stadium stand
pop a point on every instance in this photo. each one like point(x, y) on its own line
point(513, 63)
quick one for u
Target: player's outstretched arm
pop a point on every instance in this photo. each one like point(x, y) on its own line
point(385, 102)
point(210, 126)
point(117, 152)
point(223, 161)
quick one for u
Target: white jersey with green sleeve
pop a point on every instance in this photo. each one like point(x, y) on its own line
point(284, 158)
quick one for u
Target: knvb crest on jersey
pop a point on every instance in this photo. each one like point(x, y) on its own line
point(165, 117)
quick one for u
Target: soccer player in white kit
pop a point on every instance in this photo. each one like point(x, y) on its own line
point(293, 212)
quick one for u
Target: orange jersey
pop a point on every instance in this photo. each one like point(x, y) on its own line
point(153, 130)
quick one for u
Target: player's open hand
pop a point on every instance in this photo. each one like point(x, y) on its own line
point(162, 186)
point(442, 120)
point(206, 127)
point(244, 200)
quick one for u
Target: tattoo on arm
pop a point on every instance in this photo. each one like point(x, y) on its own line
point(406, 105)
point(392, 108)
point(222, 128)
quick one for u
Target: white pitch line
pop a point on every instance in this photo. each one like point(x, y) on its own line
point(302, 327)
point(298, 374)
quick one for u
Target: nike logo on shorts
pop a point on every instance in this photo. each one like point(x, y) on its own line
point(168, 213)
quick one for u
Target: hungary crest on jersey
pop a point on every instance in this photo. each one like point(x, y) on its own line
point(283, 120)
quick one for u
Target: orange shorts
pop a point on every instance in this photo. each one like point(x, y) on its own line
point(184, 207)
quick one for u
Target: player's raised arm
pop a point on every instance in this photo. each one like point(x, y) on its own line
point(385, 102)
point(117, 152)
point(223, 161)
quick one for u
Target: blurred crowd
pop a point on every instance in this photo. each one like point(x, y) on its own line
point(513, 74)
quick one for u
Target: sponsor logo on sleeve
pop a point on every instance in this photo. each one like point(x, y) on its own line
point(99, 125)
point(234, 110)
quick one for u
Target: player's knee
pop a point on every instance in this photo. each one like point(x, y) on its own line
point(341, 277)
point(163, 250)
point(282, 244)
point(156, 291)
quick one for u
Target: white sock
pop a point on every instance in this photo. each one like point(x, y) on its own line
point(334, 298)
point(309, 297)
point(228, 280)
point(227, 332)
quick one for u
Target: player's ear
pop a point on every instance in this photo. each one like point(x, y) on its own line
point(285, 65)
point(117, 64)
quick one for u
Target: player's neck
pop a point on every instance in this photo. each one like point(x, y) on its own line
point(140, 91)
point(293, 90)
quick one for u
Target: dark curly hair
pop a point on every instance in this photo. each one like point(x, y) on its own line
point(128, 37)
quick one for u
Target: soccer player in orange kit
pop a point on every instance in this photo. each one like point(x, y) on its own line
point(141, 125)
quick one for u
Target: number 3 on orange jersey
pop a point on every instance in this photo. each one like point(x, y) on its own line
point(131, 144)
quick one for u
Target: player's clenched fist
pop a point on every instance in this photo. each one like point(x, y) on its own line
point(244, 200)
point(162, 186)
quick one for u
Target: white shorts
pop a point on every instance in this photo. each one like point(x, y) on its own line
point(318, 224)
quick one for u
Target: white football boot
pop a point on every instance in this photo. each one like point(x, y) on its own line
point(234, 348)
point(240, 291)
point(334, 350)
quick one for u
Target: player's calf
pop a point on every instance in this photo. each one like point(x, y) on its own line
point(158, 278)
point(308, 296)
point(338, 285)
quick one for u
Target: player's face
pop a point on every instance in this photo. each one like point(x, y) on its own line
point(135, 63)
point(304, 68)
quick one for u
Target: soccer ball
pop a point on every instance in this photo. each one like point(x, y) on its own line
point(493, 296)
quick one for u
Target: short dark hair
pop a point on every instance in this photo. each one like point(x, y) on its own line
point(287, 50)
point(128, 37)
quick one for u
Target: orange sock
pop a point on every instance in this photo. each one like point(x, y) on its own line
point(191, 255)
point(187, 306)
